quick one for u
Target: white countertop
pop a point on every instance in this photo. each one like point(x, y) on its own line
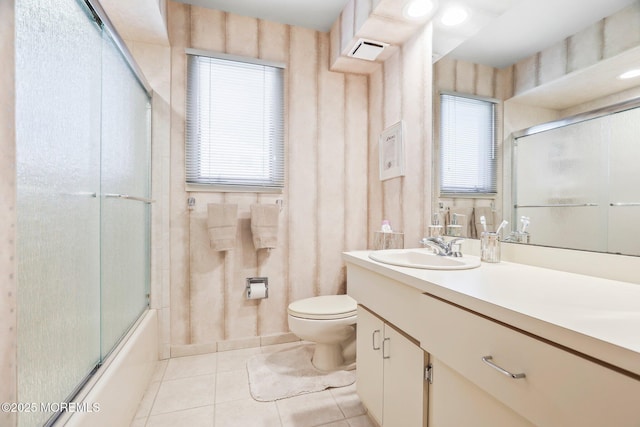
point(597, 317)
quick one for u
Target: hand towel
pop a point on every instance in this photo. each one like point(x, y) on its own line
point(222, 224)
point(264, 225)
point(487, 212)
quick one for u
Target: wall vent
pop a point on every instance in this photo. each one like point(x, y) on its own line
point(367, 49)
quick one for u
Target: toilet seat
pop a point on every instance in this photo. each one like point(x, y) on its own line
point(325, 307)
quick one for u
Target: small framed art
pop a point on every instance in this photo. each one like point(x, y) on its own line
point(392, 152)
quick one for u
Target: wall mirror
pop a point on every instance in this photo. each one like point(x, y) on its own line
point(570, 144)
point(577, 180)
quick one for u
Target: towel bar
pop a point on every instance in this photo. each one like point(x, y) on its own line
point(127, 197)
point(558, 205)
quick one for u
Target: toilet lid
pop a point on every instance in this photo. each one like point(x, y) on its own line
point(324, 307)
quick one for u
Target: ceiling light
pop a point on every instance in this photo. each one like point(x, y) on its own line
point(418, 8)
point(454, 15)
point(630, 74)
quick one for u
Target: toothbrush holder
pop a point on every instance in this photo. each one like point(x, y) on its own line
point(490, 247)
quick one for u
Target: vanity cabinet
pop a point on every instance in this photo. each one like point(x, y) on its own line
point(519, 376)
point(454, 401)
point(390, 372)
point(485, 371)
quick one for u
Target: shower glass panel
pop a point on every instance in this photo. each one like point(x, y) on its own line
point(124, 221)
point(58, 179)
point(624, 192)
point(83, 183)
point(561, 182)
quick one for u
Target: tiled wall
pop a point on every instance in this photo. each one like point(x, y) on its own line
point(8, 335)
point(324, 200)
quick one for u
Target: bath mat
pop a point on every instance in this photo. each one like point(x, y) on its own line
point(289, 373)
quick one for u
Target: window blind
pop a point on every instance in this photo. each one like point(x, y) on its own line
point(467, 145)
point(235, 123)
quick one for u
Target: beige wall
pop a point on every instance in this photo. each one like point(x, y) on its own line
point(8, 336)
point(325, 196)
point(603, 40)
point(401, 90)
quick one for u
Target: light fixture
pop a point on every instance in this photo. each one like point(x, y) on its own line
point(416, 9)
point(454, 15)
point(630, 74)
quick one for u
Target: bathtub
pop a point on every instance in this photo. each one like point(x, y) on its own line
point(111, 398)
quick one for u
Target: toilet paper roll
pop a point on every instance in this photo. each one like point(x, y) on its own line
point(257, 291)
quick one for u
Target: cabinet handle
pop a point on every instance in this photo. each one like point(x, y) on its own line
point(373, 339)
point(384, 347)
point(488, 361)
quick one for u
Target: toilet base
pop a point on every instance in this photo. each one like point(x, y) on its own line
point(327, 357)
point(334, 357)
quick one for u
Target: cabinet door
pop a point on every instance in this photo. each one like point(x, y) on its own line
point(369, 362)
point(454, 401)
point(403, 380)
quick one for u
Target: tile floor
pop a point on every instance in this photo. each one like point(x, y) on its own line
point(212, 390)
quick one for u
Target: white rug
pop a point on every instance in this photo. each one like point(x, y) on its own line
point(288, 373)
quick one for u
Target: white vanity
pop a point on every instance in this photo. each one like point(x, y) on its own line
point(503, 345)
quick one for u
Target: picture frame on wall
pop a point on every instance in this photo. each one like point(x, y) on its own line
point(391, 147)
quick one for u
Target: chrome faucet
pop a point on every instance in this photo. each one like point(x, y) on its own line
point(442, 248)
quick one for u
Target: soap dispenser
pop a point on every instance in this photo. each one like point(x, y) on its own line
point(454, 229)
point(435, 229)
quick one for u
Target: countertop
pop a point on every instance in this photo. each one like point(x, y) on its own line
point(597, 317)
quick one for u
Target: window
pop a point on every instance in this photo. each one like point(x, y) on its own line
point(235, 123)
point(467, 145)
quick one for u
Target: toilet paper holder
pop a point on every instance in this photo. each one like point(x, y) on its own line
point(257, 287)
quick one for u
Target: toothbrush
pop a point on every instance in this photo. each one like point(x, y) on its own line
point(483, 221)
point(525, 223)
point(502, 224)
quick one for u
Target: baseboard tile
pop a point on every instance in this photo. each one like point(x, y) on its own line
point(235, 344)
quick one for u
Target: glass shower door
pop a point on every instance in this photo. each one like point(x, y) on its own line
point(624, 188)
point(58, 178)
point(560, 183)
point(125, 182)
point(83, 160)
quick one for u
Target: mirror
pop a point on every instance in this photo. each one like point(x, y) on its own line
point(577, 180)
point(587, 156)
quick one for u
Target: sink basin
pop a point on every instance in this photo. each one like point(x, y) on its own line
point(423, 258)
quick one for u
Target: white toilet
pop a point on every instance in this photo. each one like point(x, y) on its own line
point(330, 322)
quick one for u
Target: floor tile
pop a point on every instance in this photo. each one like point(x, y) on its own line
point(232, 385)
point(348, 401)
point(245, 413)
point(213, 390)
point(184, 393)
point(196, 417)
point(309, 410)
point(361, 421)
point(235, 360)
point(342, 423)
point(138, 422)
point(147, 400)
point(191, 366)
point(158, 375)
point(279, 347)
